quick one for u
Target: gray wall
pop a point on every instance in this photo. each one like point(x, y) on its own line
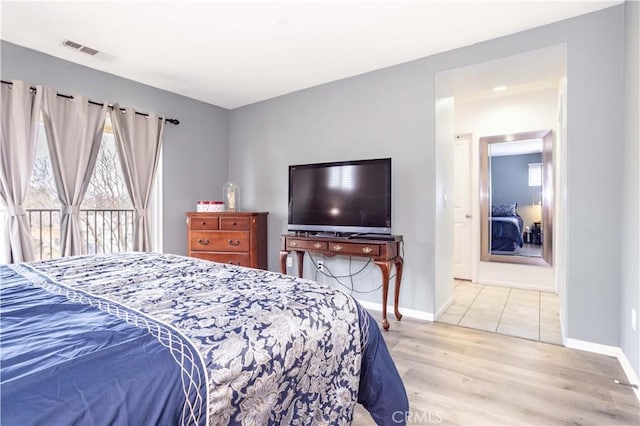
point(595, 120)
point(510, 180)
point(390, 112)
point(376, 115)
point(195, 152)
point(631, 190)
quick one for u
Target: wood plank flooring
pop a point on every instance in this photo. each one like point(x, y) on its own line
point(459, 376)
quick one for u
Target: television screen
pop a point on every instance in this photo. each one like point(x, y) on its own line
point(341, 197)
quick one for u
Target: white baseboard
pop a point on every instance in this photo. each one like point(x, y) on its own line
point(592, 347)
point(515, 285)
point(410, 313)
point(444, 307)
point(632, 376)
point(614, 351)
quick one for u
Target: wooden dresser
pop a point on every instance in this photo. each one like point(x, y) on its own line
point(239, 238)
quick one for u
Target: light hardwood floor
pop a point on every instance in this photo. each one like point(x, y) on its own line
point(459, 376)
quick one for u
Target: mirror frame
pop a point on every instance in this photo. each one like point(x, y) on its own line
point(547, 198)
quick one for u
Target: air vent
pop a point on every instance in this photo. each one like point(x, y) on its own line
point(80, 47)
point(88, 50)
point(71, 44)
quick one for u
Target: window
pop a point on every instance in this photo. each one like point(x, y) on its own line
point(106, 213)
point(535, 174)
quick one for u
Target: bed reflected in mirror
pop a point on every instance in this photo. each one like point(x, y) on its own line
point(516, 196)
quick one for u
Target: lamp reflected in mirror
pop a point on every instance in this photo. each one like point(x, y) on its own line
point(516, 198)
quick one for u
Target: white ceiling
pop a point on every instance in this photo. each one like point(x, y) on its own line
point(533, 71)
point(233, 53)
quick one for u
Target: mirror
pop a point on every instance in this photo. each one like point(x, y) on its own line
point(516, 198)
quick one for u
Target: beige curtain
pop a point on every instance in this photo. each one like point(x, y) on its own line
point(139, 140)
point(74, 132)
point(19, 120)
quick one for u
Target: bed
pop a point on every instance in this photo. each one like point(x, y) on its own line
point(506, 229)
point(141, 338)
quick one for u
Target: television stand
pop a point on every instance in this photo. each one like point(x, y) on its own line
point(380, 237)
point(383, 252)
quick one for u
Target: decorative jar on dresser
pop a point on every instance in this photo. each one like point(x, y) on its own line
point(238, 238)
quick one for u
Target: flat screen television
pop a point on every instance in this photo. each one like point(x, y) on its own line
point(346, 197)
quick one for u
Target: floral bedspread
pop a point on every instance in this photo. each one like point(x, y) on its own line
point(277, 349)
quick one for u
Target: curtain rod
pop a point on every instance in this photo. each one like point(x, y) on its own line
point(33, 89)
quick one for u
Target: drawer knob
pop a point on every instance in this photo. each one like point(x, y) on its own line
point(203, 223)
point(317, 245)
point(203, 242)
point(367, 250)
point(234, 242)
point(233, 224)
point(293, 243)
point(337, 247)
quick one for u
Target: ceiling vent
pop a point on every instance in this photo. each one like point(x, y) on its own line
point(76, 46)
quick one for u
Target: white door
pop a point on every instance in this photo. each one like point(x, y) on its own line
point(462, 207)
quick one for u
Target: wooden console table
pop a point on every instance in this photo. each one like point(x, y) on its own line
point(384, 253)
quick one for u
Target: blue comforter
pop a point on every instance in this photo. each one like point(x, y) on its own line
point(72, 358)
point(159, 339)
point(506, 232)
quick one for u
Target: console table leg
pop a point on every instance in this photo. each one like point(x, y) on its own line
point(300, 255)
point(283, 261)
point(384, 267)
point(398, 262)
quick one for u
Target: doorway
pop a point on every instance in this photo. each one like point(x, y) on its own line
point(481, 107)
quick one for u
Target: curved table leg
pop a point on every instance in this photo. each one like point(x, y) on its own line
point(300, 255)
point(283, 261)
point(384, 267)
point(398, 262)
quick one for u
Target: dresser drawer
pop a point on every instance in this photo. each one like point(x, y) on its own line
point(205, 223)
point(219, 241)
point(355, 249)
point(234, 223)
point(240, 259)
point(307, 245)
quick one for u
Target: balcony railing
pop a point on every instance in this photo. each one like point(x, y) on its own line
point(102, 230)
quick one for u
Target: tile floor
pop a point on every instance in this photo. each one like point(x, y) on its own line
point(515, 312)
